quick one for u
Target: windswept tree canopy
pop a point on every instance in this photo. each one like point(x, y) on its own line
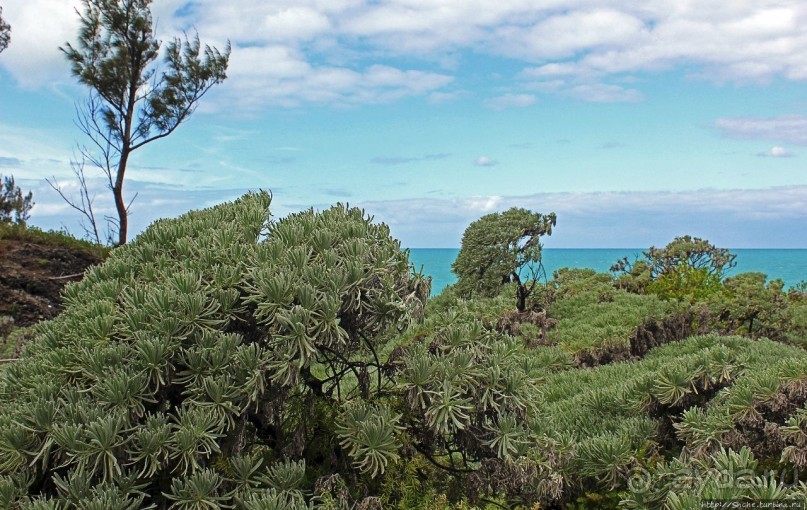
point(500, 248)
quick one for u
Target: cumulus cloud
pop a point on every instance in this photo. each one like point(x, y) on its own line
point(786, 128)
point(485, 161)
point(280, 76)
point(293, 52)
point(776, 152)
point(39, 28)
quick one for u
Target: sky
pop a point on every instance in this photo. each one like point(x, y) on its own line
point(634, 122)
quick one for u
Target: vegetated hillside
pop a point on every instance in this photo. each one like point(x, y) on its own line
point(225, 360)
point(34, 268)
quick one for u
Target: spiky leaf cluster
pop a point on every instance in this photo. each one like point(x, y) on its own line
point(591, 430)
point(467, 391)
point(199, 365)
point(726, 475)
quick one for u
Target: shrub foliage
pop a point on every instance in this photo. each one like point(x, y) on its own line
point(225, 360)
point(200, 367)
point(687, 268)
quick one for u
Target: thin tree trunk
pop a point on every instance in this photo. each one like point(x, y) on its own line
point(120, 205)
point(126, 146)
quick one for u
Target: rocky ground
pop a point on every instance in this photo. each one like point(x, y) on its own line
point(32, 276)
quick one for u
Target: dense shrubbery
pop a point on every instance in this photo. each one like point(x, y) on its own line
point(686, 269)
point(223, 360)
point(596, 318)
point(199, 366)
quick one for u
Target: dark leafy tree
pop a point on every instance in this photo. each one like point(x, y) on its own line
point(749, 305)
point(691, 252)
point(14, 206)
point(132, 100)
point(5, 32)
point(500, 248)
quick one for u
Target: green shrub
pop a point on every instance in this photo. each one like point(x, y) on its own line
point(687, 269)
point(749, 305)
point(592, 315)
point(597, 427)
point(198, 361)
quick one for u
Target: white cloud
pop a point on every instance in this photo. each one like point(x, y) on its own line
point(38, 29)
point(776, 152)
point(567, 34)
point(506, 101)
point(785, 129)
point(481, 205)
point(280, 76)
point(295, 23)
point(323, 51)
point(485, 161)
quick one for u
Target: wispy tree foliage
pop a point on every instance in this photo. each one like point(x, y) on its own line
point(132, 101)
point(500, 248)
point(14, 206)
point(5, 32)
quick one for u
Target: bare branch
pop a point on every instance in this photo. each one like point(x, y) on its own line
point(85, 203)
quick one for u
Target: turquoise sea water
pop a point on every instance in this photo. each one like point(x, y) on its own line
point(789, 265)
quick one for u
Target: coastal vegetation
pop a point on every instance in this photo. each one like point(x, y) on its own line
point(225, 359)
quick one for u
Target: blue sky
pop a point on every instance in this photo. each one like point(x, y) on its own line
point(633, 121)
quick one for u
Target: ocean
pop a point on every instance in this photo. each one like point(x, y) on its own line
point(789, 265)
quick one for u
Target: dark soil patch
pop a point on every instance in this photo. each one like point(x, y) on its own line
point(652, 334)
point(512, 323)
point(672, 329)
point(32, 277)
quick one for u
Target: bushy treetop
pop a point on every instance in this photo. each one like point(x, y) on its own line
point(686, 268)
point(502, 247)
point(5, 32)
